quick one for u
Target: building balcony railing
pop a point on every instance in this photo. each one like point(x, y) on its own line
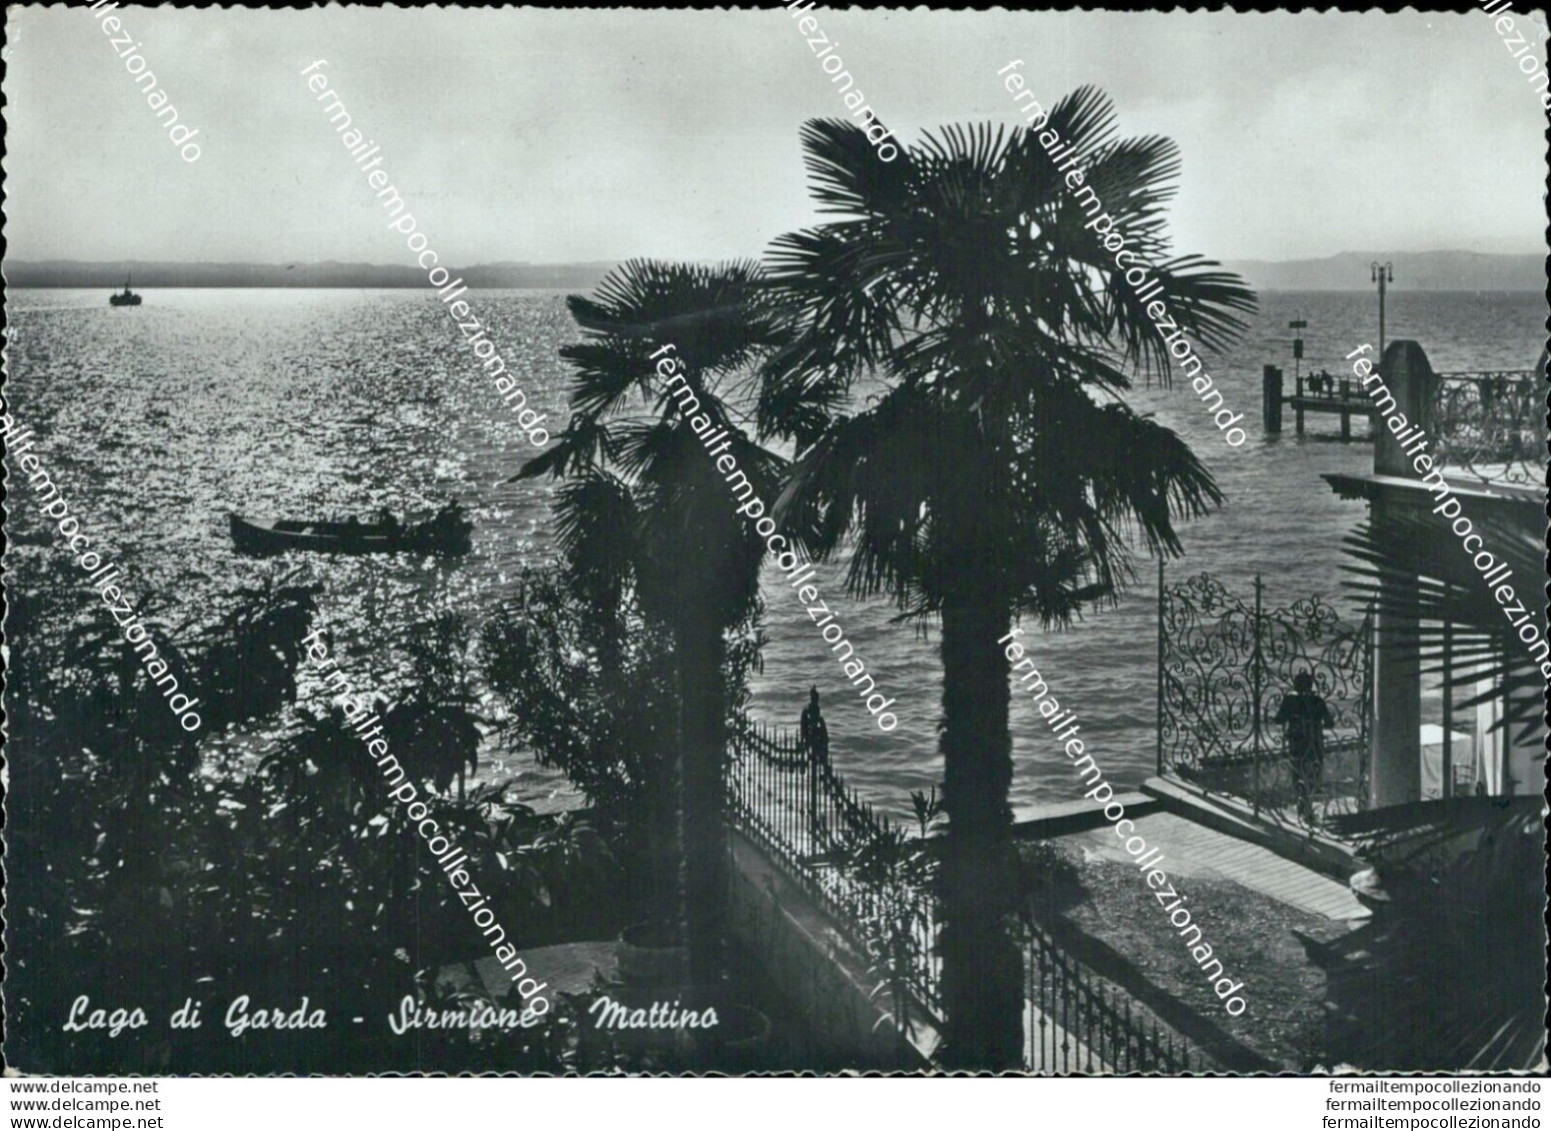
point(1490, 425)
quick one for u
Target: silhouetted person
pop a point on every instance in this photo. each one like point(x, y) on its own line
point(1305, 716)
point(815, 735)
point(815, 739)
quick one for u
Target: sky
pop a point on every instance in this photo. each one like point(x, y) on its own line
point(567, 136)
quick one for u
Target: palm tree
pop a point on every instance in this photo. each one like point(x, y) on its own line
point(997, 471)
point(644, 508)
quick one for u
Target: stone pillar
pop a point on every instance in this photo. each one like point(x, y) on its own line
point(1395, 770)
point(1396, 767)
point(1408, 376)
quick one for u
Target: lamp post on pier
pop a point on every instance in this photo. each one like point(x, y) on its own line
point(1378, 272)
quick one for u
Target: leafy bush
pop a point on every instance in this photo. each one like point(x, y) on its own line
point(591, 688)
point(1049, 882)
point(148, 865)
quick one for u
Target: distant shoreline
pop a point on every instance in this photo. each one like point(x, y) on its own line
point(1348, 272)
point(68, 275)
point(139, 288)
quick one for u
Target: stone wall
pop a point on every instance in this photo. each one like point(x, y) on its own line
point(804, 955)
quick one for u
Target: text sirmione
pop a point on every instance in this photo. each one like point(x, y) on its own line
point(1413, 442)
point(448, 288)
point(856, 102)
point(1146, 290)
point(798, 571)
point(1524, 54)
point(101, 575)
point(471, 1016)
point(154, 96)
point(1063, 725)
point(362, 718)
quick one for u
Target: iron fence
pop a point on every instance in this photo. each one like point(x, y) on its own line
point(1079, 1024)
point(817, 829)
point(1223, 666)
point(855, 863)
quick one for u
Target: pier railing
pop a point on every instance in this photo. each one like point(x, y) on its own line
point(1487, 423)
point(1491, 425)
point(1223, 666)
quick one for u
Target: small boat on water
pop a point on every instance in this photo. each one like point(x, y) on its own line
point(447, 533)
point(127, 298)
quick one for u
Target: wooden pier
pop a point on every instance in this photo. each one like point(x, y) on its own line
point(1341, 399)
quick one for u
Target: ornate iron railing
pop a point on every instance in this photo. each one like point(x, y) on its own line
point(1079, 1024)
point(814, 827)
point(1491, 425)
point(1223, 666)
point(836, 847)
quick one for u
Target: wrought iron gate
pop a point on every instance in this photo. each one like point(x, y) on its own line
point(1223, 666)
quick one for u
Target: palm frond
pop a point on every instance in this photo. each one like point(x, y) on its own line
point(1442, 608)
point(845, 174)
point(1084, 118)
point(596, 521)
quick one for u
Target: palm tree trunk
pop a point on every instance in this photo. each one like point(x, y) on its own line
point(703, 812)
point(982, 980)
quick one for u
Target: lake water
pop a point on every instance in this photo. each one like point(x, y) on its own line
point(157, 421)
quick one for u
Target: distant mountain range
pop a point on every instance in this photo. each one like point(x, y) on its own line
point(1414, 271)
point(70, 273)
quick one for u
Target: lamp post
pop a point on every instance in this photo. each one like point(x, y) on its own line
point(1379, 271)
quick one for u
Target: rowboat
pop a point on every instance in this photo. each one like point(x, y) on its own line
point(447, 533)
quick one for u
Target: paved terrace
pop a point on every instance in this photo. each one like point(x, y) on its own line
point(1228, 878)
